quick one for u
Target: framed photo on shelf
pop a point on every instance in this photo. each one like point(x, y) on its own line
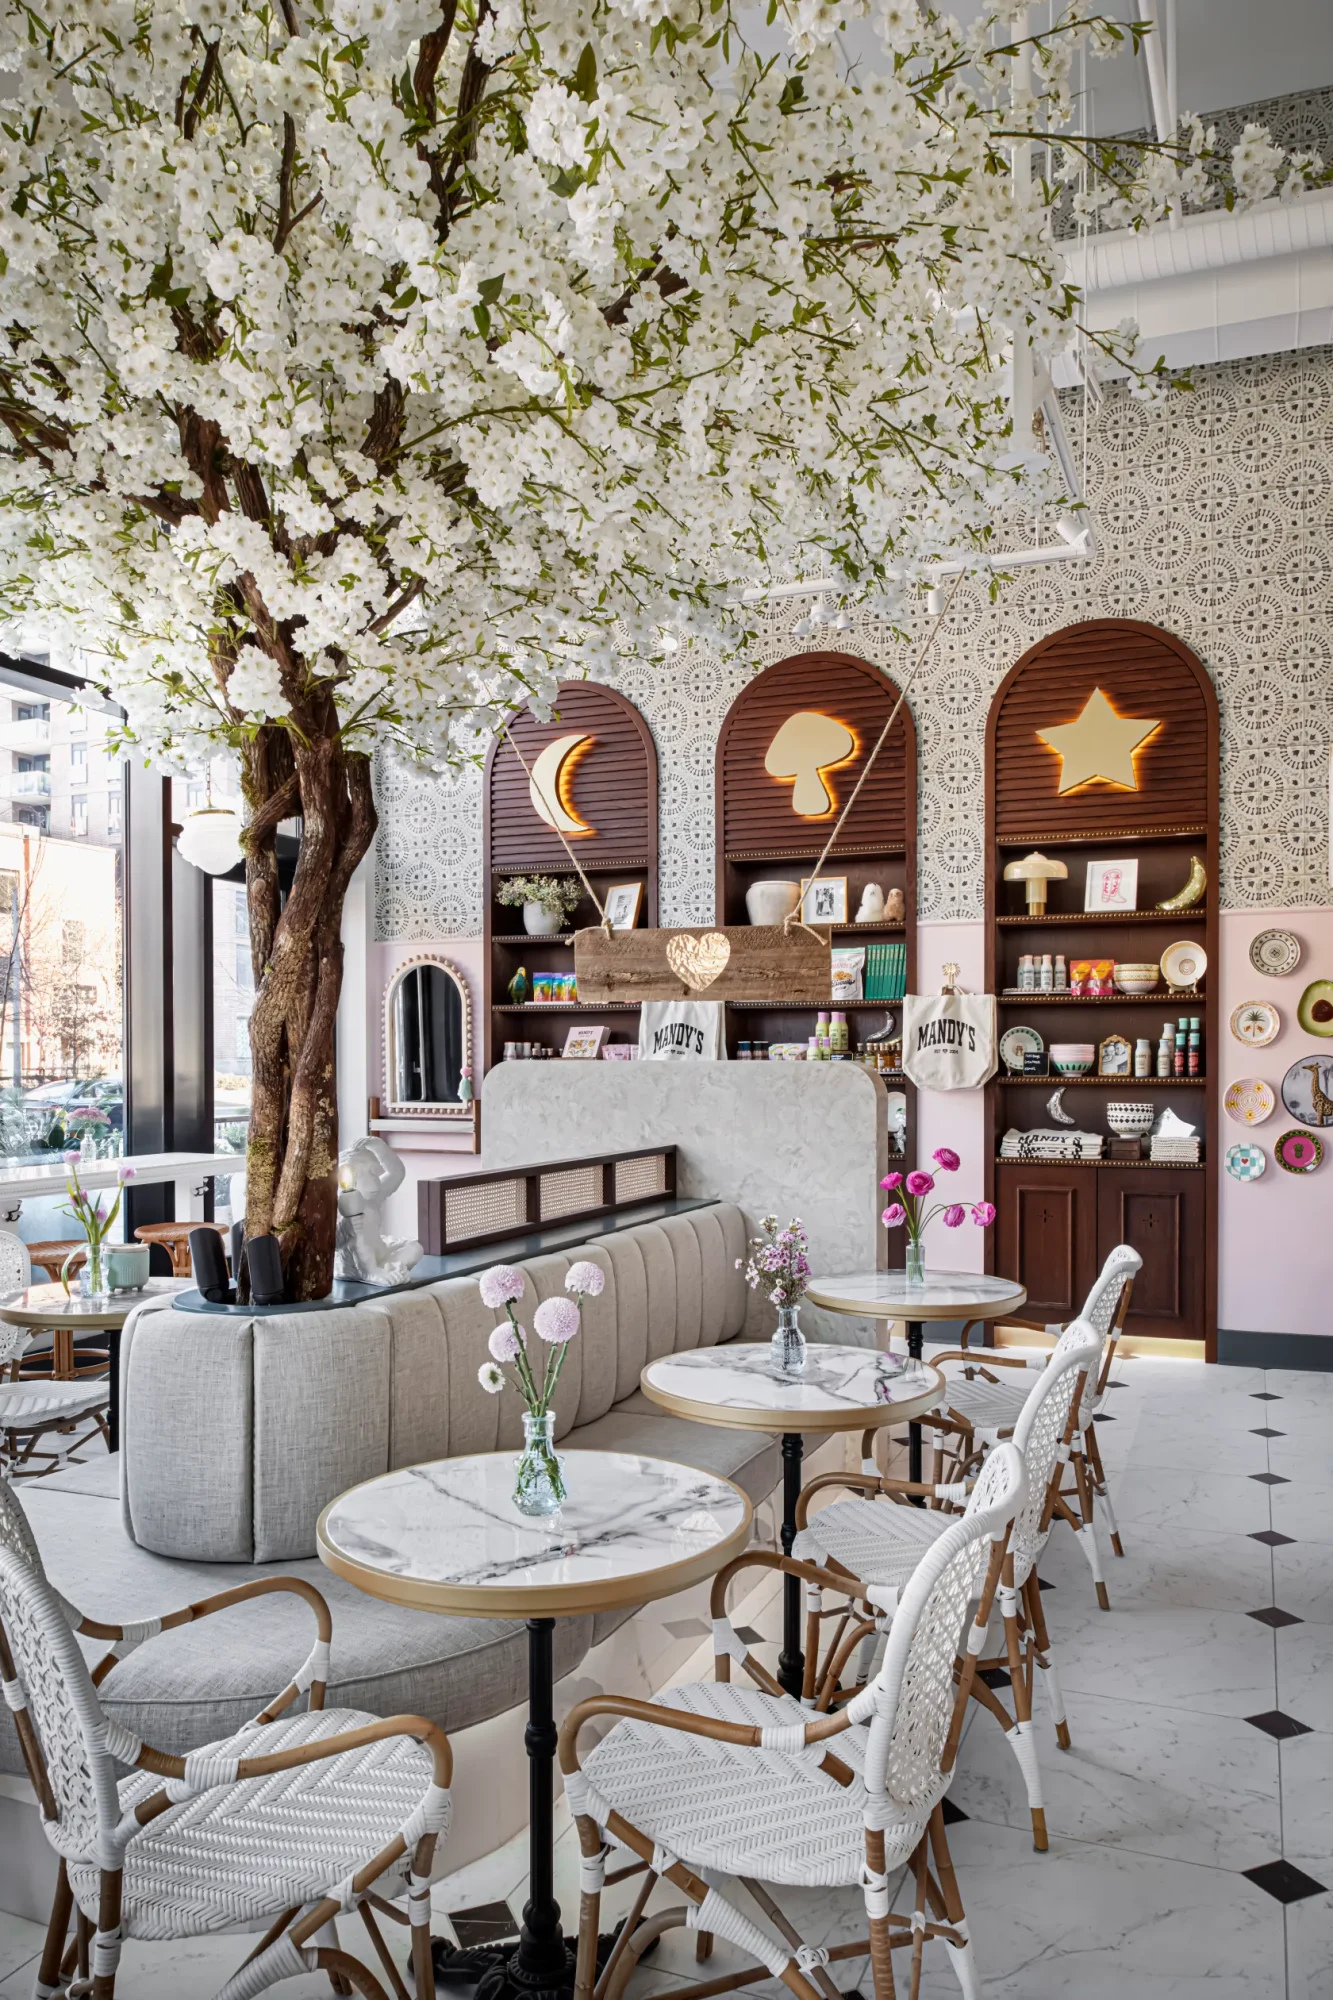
point(1112, 885)
point(584, 1043)
point(624, 900)
point(1115, 1057)
point(824, 899)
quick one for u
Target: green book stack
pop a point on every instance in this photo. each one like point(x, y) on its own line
point(886, 971)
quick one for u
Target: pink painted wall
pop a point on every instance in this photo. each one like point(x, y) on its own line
point(1275, 1242)
point(953, 1117)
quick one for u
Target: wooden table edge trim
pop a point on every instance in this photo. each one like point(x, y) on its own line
point(783, 1423)
point(905, 1310)
point(550, 1600)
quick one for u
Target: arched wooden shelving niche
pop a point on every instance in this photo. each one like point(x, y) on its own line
point(608, 782)
point(1057, 1220)
point(762, 836)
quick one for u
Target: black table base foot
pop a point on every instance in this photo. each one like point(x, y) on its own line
point(496, 1971)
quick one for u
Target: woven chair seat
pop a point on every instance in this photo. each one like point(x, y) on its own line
point(234, 1856)
point(986, 1406)
point(762, 1813)
point(38, 1400)
point(877, 1540)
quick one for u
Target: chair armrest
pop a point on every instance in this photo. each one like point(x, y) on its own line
point(312, 1674)
point(204, 1770)
point(746, 1735)
point(983, 1358)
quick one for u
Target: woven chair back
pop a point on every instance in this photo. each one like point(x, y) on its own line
point(1104, 1311)
point(64, 1709)
point(914, 1689)
point(1042, 1427)
point(15, 1276)
point(15, 1534)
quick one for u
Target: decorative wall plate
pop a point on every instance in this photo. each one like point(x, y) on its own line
point(1307, 1090)
point(1249, 1100)
point(1299, 1152)
point(1246, 1162)
point(1184, 964)
point(1015, 1043)
point(1256, 1023)
point(1275, 952)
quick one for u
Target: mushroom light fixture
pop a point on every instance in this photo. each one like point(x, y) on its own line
point(1036, 870)
point(807, 745)
point(211, 839)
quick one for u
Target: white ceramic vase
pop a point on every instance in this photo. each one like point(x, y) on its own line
point(541, 922)
point(771, 902)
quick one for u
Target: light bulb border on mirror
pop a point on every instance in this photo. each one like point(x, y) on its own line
point(392, 1107)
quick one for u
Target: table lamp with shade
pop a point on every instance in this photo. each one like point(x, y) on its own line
point(1036, 870)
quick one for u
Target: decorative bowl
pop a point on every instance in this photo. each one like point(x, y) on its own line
point(1137, 978)
point(1072, 1058)
point(1130, 1121)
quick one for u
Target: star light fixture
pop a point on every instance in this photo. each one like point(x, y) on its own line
point(1099, 747)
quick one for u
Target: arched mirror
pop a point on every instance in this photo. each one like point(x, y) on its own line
point(427, 1039)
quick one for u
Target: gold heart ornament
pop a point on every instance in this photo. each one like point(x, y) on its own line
point(697, 961)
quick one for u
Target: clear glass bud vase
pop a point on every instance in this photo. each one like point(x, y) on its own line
point(539, 1478)
point(789, 1342)
point(916, 1261)
point(90, 1273)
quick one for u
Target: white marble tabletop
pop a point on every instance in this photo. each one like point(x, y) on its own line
point(447, 1536)
point(939, 1295)
point(49, 1305)
point(840, 1388)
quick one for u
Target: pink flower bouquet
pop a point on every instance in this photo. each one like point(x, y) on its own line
point(908, 1208)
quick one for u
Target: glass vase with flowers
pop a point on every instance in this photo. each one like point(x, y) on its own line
point(539, 1475)
point(97, 1219)
point(908, 1210)
point(779, 1264)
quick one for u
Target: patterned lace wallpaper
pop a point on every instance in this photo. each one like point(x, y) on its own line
point(1215, 521)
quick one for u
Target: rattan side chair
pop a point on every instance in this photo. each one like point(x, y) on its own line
point(43, 1422)
point(722, 1780)
point(278, 1829)
point(874, 1548)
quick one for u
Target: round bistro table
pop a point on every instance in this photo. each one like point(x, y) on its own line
point(49, 1309)
point(447, 1537)
point(886, 1295)
point(840, 1389)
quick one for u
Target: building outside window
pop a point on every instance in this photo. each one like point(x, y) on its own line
point(78, 817)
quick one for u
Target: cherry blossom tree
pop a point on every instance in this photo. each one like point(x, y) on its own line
point(366, 366)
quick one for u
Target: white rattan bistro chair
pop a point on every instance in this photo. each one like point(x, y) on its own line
point(875, 1541)
point(43, 1423)
point(276, 1830)
point(721, 1780)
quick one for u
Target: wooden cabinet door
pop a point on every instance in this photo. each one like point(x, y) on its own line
point(1047, 1235)
point(1160, 1213)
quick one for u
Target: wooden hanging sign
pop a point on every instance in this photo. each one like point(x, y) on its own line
point(760, 962)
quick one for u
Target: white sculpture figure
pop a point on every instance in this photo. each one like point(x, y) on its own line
point(872, 904)
point(368, 1173)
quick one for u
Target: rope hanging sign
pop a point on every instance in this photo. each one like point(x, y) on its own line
point(773, 963)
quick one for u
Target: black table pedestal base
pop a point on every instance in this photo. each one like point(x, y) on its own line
point(916, 1341)
point(504, 1972)
point(791, 1662)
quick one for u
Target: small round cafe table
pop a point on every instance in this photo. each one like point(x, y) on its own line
point(939, 1295)
point(447, 1537)
point(840, 1389)
point(50, 1309)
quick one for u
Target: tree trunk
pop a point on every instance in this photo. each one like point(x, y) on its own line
point(296, 948)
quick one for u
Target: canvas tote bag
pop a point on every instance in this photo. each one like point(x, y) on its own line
point(949, 1040)
point(680, 1031)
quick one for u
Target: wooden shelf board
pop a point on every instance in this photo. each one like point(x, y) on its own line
point(589, 867)
point(810, 1006)
point(1197, 915)
point(532, 937)
point(1109, 1082)
point(813, 853)
point(869, 930)
point(1100, 835)
point(1113, 1166)
point(1164, 998)
point(568, 1007)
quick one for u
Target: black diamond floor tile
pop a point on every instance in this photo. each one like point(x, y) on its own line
point(748, 1636)
point(485, 1923)
point(1264, 1396)
point(1265, 1432)
point(1271, 1539)
point(1284, 1881)
point(1274, 1616)
point(1270, 1479)
point(1277, 1725)
point(953, 1815)
point(1103, 1417)
point(994, 1677)
point(687, 1628)
point(1043, 1585)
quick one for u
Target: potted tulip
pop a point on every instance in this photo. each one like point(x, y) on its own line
point(907, 1208)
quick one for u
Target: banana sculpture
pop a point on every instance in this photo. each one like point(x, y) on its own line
point(1192, 893)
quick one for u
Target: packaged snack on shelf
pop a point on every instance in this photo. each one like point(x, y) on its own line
point(848, 974)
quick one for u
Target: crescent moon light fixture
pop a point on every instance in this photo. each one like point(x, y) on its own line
point(549, 785)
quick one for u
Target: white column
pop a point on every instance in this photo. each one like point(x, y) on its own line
point(353, 1037)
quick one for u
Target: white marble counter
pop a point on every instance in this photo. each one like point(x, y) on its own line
point(939, 1295)
point(447, 1536)
point(23, 1183)
point(840, 1388)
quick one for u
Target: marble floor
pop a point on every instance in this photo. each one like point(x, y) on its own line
point(1191, 1822)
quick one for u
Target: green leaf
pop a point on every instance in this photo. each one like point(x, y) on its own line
point(404, 300)
point(585, 76)
point(489, 290)
point(793, 90)
point(483, 319)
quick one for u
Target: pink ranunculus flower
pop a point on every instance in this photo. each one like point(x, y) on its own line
point(498, 1286)
point(586, 1276)
point(556, 1321)
point(894, 1216)
point(892, 1181)
point(953, 1215)
point(947, 1159)
point(983, 1214)
point(504, 1342)
point(920, 1182)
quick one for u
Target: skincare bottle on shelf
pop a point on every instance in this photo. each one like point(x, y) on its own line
point(1046, 974)
point(1061, 972)
point(1143, 1059)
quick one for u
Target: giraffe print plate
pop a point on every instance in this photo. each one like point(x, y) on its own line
point(1307, 1090)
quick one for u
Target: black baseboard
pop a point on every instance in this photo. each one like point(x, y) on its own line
point(1275, 1350)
